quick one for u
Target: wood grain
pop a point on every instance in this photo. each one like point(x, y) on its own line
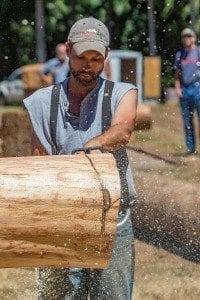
point(53, 212)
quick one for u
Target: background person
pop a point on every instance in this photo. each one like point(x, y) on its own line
point(81, 123)
point(58, 66)
point(187, 85)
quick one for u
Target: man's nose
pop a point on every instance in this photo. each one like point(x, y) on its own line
point(88, 64)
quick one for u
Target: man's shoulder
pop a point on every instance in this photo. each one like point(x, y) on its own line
point(120, 88)
point(119, 91)
point(179, 52)
point(124, 85)
point(40, 97)
point(44, 91)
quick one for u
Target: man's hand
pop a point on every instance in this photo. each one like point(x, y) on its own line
point(179, 92)
point(177, 84)
point(36, 147)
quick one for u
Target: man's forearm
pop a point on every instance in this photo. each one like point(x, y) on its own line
point(177, 83)
point(36, 147)
point(178, 88)
point(113, 139)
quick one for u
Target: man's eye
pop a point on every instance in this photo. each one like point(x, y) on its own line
point(97, 59)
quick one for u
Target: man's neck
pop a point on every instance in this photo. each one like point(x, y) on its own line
point(77, 89)
point(76, 94)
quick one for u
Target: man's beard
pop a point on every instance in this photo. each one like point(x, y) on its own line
point(93, 77)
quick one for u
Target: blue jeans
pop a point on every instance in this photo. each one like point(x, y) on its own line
point(113, 283)
point(189, 103)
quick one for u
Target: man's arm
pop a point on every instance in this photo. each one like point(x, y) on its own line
point(122, 125)
point(177, 74)
point(177, 83)
point(36, 147)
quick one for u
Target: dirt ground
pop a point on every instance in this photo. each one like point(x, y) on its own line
point(159, 274)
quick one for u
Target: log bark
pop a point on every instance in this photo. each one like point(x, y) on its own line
point(58, 210)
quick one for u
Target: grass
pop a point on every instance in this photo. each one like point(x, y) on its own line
point(147, 138)
point(10, 108)
point(181, 173)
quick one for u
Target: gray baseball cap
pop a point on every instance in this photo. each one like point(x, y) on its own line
point(187, 31)
point(89, 34)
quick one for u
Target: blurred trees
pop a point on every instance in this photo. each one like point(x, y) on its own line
point(126, 20)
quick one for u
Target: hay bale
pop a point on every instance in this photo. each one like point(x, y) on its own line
point(31, 77)
point(15, 133)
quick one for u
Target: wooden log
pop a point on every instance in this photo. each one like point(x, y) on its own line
point(58, 210)
point(143, 118)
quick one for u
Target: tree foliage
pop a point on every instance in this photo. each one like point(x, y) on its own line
point(126, 20)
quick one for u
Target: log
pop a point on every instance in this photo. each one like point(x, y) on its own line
point(58, 210)
point(143, 118)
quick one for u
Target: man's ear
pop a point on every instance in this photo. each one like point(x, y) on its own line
point(68, 48)
point(107, 51)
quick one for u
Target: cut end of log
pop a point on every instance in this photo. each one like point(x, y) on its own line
point(52, 210)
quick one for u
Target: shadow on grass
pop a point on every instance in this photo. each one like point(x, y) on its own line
point(168, 243)
point(173, 234)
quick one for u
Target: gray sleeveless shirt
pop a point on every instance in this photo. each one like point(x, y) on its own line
point(73, 133)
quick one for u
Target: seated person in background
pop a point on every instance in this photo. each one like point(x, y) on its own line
point(58, 67)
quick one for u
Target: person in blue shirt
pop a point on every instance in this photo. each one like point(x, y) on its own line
point(58, 66)
point(187, 85)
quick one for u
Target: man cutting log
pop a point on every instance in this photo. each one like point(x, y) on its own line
point(86, 111)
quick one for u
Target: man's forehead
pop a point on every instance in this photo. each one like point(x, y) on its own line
point(89, 52)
